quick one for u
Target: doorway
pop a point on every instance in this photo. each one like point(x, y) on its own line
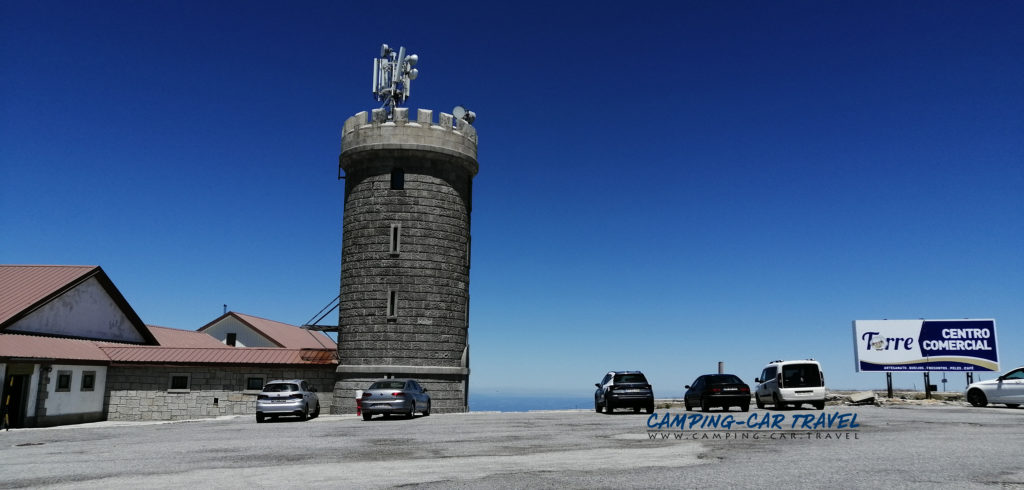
point(12, 403)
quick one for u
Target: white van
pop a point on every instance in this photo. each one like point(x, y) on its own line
point(793, 383)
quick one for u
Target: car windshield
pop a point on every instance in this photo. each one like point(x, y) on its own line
point(800, 375)
point(630, 378)
point(279, 387)
point(720, 379)
point(388, 385)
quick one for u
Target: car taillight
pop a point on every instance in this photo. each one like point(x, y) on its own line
point(716, 390)
point(398, 394)
point(367, 395)
point(745, 389)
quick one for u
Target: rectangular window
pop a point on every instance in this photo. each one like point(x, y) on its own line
point(397, 179)
point(180, 382)
point(232, 339)
point(63, 380)
point(392, 303)
point(396, 238)
point(88, 380)
point(254, 382)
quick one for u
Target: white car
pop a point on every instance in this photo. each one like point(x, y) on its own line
point(1007, 389)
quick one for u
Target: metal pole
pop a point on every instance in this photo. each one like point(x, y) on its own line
point(927, 386)
point(888, 383)
point(970, 378)
point(721, 367)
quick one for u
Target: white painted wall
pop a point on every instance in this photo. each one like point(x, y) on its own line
point(33, 392)
point(76, 400)
point(246, 337)
point(85, 311)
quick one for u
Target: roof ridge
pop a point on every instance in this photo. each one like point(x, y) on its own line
point(50, 265)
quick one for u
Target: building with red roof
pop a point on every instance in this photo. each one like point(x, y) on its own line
point(73, 350)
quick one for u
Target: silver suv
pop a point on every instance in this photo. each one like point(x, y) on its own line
point(287, 397)
point(624, 389)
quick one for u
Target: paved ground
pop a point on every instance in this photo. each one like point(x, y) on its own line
point(912, 447)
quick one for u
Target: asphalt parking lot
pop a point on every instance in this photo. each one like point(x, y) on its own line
point(906, 447)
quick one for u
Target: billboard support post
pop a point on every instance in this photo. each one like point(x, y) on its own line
point(888, 382)
point(970, 378)
point(927, 386)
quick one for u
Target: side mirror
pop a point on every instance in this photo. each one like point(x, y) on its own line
point(757, 380)
point(687, 387)
point(597, 385)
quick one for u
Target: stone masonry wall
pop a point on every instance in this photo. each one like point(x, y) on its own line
point(141, 392)
point(430, 274)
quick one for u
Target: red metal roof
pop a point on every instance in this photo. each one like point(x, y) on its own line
point(35, 347)
point(222, 355)
point(173, 337)
point(55, 348)
point(283, 334)
point(25, 286)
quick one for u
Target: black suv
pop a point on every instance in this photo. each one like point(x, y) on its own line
point(621, 389)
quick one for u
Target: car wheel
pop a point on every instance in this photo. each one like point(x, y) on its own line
point(367, 416)
point(259, 418)
point(608, 407)
point(650, 408)
point(412, 411)
point(977, 398)
point(636, 409)
point(1012, 405)
point(776, 402)
point(426, 412)
point(796, 406)
point(316, 412)
point(687, 405)
point(704, 407)
point(597, 406)
point(745, 408)
point(304, 416)
point(757, 400)
point(819, 405)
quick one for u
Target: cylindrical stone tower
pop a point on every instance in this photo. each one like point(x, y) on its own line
point(404, 306)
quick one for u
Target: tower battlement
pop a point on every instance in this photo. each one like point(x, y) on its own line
point(374, 132)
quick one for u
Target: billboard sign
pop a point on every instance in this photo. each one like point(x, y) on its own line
point(925, 345)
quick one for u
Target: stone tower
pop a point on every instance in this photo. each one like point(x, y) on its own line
point(404, 305)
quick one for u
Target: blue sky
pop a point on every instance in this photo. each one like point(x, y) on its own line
point(661, 187)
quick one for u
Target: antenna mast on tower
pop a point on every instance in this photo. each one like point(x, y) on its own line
point(393, 74)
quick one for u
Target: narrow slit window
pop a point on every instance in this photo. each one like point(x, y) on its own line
point(397, 179)
point(392, 303)
point(396, 238)
point(232, 339)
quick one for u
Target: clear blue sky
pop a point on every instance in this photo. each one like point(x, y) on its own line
point(660, 188)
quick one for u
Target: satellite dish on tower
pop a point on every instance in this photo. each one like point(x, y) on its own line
point(460, 112)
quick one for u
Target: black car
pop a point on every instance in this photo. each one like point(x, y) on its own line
point(717, 390)
point(624, 389)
